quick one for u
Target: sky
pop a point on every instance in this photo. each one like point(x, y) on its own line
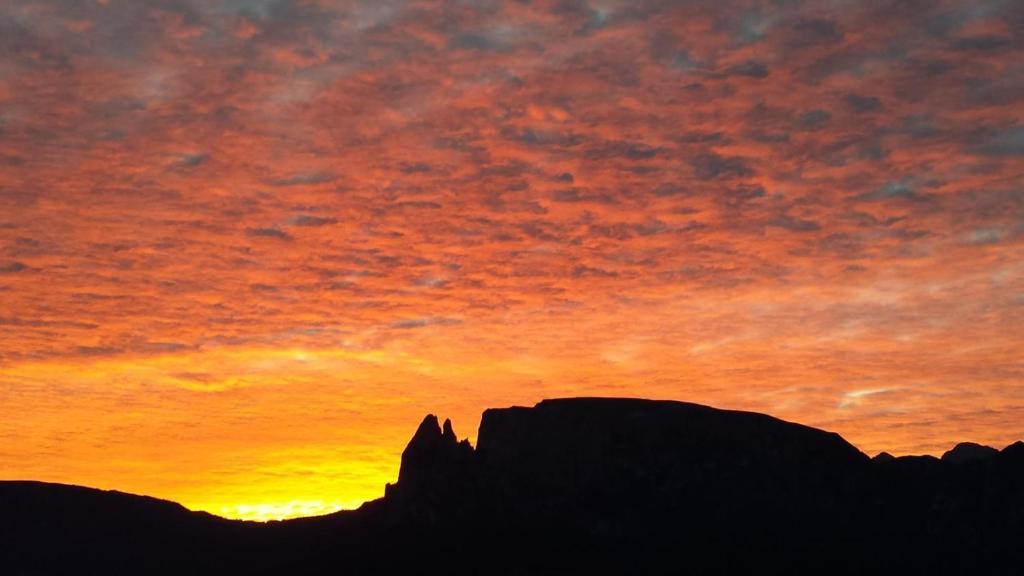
point(246, 245)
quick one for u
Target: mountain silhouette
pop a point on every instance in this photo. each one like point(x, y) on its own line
point(969, 451)
point(576, 486)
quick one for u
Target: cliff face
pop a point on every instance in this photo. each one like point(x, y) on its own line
point(592, 481)
point(571, 449)
point(586, 441)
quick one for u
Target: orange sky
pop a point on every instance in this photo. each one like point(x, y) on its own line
point(246, 245)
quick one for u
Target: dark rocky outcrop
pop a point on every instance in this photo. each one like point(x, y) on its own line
point(432, 480)
point(597, 485)
point(433, 453)
point(578, 486)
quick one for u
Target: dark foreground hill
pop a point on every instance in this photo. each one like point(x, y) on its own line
point(577, 486)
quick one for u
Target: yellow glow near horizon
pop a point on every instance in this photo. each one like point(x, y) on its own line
point(283, 510)
point(263, 433)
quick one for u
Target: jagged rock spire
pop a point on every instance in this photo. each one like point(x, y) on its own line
point(431, 452)
point(448, 435)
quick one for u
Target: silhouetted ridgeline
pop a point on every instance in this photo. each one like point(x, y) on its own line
point(577, 486)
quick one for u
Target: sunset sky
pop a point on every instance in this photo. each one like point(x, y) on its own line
point(246, 245)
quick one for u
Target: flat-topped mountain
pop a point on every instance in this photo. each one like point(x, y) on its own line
point(593, 456)
point(577, 486)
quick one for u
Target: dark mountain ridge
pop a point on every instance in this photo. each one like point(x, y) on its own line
point(577, 486)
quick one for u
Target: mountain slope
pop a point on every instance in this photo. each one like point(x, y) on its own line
point(54, 527)
point(576, 486)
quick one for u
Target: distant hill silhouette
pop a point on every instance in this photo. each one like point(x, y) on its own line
point(576, 486)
